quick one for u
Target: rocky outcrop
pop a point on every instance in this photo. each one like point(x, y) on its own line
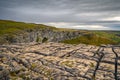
point(38, 35)
point(58, 61)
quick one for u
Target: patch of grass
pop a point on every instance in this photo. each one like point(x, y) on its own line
point(91, 39)
point(92, 65)
point(68, 63)
point(33, 65)
point(13, 74)
point(109, 34)
point(38, 39)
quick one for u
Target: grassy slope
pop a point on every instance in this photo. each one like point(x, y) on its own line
point(12, 28)
point(9, 27)
point(95, 38)
point(109, 34)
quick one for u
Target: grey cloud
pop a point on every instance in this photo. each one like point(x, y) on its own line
point(68, 11)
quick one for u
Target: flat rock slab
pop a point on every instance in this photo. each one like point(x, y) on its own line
point(57, 61)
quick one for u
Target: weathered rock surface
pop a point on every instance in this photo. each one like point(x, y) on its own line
point(58, 61)
point(38, 35)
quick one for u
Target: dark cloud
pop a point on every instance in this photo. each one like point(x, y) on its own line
point(72, 12)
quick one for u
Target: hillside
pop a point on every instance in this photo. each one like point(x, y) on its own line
point(20, 32)
point(7, 26)
point(94, 38)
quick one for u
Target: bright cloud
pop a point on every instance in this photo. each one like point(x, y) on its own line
point(76, 26)
point(112, 19)
point(79, 14)
point(91, 27)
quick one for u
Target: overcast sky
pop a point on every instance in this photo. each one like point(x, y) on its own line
point(78, 14)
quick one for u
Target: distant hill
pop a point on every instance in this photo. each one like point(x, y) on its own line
point(21, 32)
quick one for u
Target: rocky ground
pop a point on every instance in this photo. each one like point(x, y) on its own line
point(58, 61)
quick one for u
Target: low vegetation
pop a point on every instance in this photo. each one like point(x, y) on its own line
point(113, 35)
point(68, 63)
point(10, 29)
point(92, 39)
point(7, 26)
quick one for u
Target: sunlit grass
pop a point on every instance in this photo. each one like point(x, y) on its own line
point(7, 26)
point(91, 39)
